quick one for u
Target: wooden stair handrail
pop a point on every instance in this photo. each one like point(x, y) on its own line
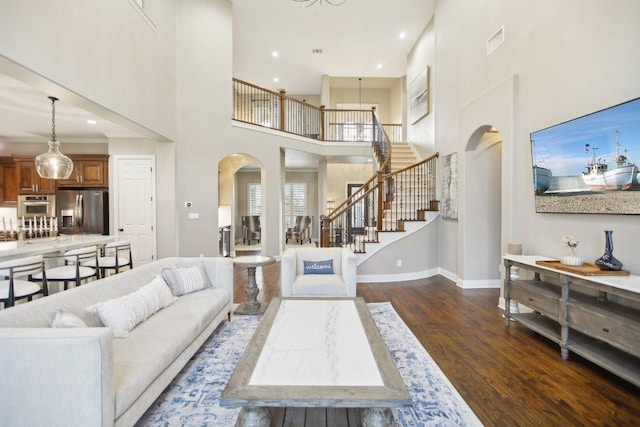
point(351, 201)
point(434, 156)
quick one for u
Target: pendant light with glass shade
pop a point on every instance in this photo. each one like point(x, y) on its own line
point(53, 164)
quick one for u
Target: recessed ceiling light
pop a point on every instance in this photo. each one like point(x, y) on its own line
point(379, 66)
point(276, 80)
point(92, 122)
point(402, 35)
point(369, 160)
point(274, 53)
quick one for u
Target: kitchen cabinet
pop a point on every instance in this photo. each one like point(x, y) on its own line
point(596, 317)
point(89, 170)
point(27, 179)
point(8, 185)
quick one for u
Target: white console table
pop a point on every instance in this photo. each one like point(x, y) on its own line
point(597, 317)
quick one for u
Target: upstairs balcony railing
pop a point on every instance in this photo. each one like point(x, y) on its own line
point(275, 110)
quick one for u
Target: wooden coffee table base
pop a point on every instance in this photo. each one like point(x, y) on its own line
point(303, 417)
point(323, 358)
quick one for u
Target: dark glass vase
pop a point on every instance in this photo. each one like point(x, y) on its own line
point(607, 261)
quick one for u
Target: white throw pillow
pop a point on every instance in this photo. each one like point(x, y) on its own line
point(64, 319)
point(186, 279)
point(159, 292)
point(125, 313)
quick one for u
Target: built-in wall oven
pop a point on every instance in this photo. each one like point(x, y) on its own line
point(30, 206)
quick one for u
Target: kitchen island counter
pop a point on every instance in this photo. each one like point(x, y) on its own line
point(51, 245)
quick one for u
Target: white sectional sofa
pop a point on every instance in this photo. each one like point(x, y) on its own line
point(86, 377)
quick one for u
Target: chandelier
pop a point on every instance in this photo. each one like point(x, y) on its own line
point(308, 3)
point(53, 164)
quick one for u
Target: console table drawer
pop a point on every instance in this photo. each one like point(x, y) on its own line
point(538, 295)
point(613, 328)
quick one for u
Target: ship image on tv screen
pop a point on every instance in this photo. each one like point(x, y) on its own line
point(589, 164)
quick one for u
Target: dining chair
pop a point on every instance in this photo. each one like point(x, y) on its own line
point(17, 282)
point(301, 231)
point(73, 269)
point(251, 229)
point(116, 256)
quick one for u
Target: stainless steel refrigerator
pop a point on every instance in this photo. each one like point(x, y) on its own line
point(83, 211)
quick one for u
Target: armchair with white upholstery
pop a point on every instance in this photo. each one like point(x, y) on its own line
point(294, 283)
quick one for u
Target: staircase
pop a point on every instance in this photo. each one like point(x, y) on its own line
point(403, 156)
point(400, 206)
point(407, 191)
point(399, 196)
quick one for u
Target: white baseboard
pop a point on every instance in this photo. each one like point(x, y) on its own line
point(447, 274)
point(479, 284)
point(375, 278)
point(465, 284)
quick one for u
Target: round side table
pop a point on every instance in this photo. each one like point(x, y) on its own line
point(252, 306)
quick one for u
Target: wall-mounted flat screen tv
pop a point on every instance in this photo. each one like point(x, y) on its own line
point(589, 164)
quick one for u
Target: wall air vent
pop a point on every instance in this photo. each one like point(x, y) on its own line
point(495, 40)
point(316, 50)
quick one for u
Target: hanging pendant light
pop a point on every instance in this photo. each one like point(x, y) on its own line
point(308, 3)
point(53, 164)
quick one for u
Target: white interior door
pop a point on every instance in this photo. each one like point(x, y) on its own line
point(135, 205)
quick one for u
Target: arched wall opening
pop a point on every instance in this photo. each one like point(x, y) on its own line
point(232, 198)
point(488, 214)
point(483, 183)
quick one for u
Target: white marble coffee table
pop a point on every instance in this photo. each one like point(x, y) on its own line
point(316, 353)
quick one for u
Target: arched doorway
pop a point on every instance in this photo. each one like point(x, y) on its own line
point(237, 175)
point(488, 212)
point(483, 199)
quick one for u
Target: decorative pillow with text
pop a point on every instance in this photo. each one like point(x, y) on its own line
point(318, 267)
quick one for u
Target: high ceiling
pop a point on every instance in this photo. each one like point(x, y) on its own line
point(25, 115)
point(354, 38)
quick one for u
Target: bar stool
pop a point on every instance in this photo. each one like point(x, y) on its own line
point(116, 256)
point(73, 269)
point(14, 287)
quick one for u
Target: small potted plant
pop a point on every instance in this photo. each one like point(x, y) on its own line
point(572, 259)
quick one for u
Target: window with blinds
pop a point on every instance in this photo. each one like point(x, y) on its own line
point(295, 203)
point(254, 191)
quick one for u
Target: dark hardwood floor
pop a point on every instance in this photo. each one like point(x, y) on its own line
point(509, 376)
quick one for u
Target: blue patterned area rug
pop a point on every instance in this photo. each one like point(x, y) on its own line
point(192, 399)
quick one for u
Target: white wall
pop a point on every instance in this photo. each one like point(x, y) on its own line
point(422, 133)
point(203, 42)
point(417, 256)
point(340, 174)
point(560, 60)
point(369, 96)
point(100, 54)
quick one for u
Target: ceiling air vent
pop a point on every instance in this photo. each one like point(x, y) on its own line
point(316, 50)
point(495, 40)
